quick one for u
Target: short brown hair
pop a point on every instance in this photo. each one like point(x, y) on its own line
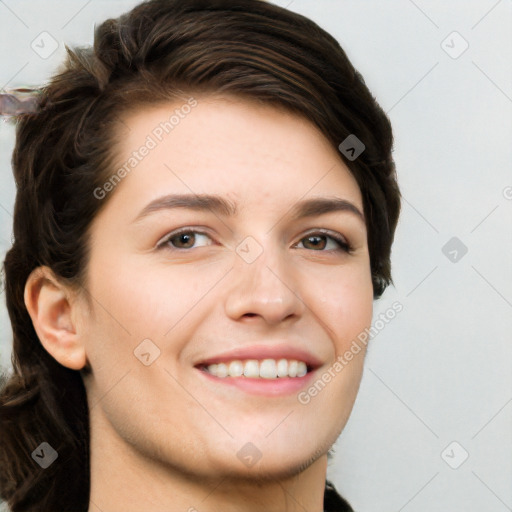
point(160, 50)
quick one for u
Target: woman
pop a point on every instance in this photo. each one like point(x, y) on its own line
point(206, 202)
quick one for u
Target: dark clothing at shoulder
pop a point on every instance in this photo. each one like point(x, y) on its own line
point(333, 502)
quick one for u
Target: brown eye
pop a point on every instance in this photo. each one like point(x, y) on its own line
point(324, 243)
point(185, 240)
point(315, 242)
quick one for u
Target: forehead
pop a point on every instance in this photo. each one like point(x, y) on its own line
point(246, 151)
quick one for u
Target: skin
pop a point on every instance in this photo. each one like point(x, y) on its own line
point(162, 436)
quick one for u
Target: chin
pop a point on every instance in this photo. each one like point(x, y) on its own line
point(272, 470)
point(273, 462)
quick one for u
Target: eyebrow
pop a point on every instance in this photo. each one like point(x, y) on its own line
point(220, 206)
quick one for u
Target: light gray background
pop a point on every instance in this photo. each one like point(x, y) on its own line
point(441, 370)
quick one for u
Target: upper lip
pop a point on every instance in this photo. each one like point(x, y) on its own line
point(261, 352)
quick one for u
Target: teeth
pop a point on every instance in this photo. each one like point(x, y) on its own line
point(301, 369)
point(282, 368)
point(265, 369)
point(251, 369)
point(268, 369)
point(222, 370)
point(236, 369)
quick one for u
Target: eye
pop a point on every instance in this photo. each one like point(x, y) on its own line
point(185, 239)
point(323, 242)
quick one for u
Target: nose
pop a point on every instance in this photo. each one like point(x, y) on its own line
point(263, 290)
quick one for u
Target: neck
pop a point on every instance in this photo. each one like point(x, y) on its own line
point(124, 479)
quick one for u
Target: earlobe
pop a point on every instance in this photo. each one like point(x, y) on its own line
point(49, 305)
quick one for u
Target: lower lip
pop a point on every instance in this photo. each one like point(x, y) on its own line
point(267, 387)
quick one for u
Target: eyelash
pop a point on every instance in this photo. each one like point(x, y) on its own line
point(344, 245)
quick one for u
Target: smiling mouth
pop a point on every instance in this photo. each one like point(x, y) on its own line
point(269, 369)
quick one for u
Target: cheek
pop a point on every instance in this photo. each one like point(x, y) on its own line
point(149, 301)
point(345, 303)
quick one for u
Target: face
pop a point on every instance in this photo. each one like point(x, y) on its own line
point(235, 245)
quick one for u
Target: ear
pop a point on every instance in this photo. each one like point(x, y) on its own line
point(50, 306)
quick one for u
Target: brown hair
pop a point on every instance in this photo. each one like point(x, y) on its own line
point(159, 51)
